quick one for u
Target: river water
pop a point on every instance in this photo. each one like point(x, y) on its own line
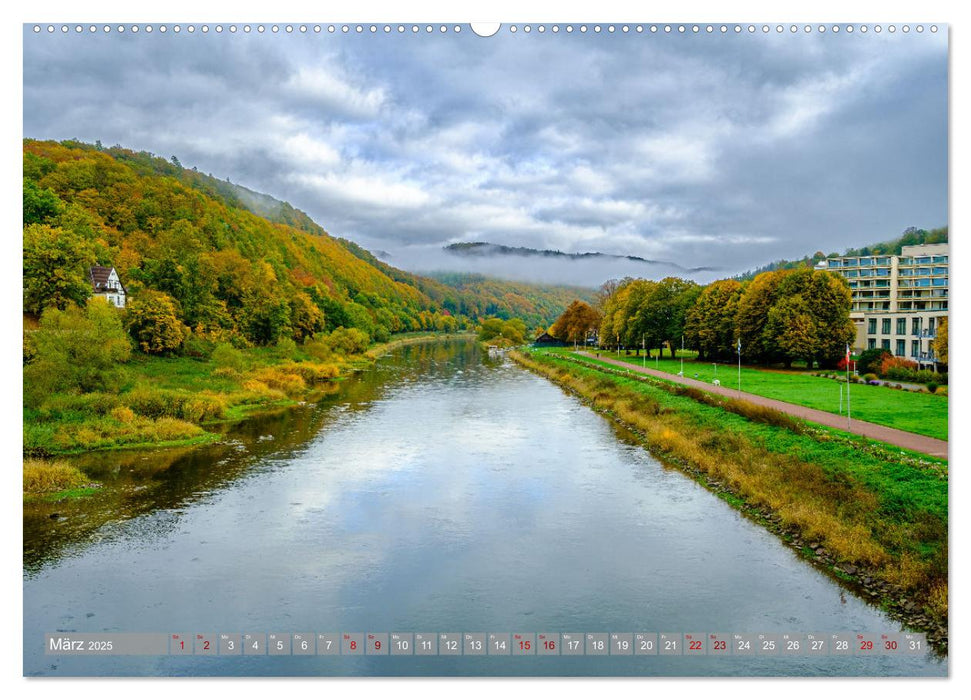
point(438, 491)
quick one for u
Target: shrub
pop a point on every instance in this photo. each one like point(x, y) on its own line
point(225, 356)
point(348, 341)
point(279, 378)
point(166, 403)
point(97, 403)
point(869, 376)
point(76, 350)
point(197, 346)
point(890, 363)
point(285, 348)
point(932, 387)
point(870, 360)
point(226, 373)
point(312, 372)
point(123, 414)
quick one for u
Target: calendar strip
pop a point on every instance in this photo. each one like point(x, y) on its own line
point(489, 644)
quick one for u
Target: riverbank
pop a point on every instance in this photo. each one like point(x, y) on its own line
point(875, 520)
point(182, 401)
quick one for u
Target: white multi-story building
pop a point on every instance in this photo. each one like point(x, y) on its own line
point(899, 301)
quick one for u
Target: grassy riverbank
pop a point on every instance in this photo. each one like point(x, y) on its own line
point(871, 515)
point(916, 412)
point(176, 401)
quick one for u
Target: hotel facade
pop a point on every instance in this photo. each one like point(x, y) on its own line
point(899, 301)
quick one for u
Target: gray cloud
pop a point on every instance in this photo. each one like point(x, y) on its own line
point(705, 150)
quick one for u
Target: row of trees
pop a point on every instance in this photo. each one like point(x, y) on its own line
point(780, 316)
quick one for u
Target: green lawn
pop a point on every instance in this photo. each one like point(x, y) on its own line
point(922, 413)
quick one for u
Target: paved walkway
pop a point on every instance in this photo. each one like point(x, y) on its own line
point(901, 438)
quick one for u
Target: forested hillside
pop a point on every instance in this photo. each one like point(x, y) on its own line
point(226, 262)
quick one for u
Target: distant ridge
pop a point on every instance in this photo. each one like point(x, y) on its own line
point(488, 250)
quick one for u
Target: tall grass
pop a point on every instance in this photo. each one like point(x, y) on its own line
point(41, 476)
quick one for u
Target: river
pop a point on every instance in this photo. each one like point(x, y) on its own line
point(437, 491)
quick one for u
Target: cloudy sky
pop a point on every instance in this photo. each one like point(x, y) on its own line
point(724, 151)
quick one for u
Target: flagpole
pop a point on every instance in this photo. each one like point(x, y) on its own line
point(644, 350)
point(682, 356)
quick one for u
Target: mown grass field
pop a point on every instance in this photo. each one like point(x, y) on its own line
point(922, 413)
point(872, 507)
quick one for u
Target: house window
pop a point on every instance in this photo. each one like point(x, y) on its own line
point(915, 326)
point(914, 348)
point(901, 329)
point(871, 343)
point(871, 327)
point(901, 348)
point(885, 343)
point(885, 326)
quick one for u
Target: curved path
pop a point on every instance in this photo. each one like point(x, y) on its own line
point(900, 438)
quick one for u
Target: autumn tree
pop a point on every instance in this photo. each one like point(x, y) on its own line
point(818, 302)
point(575, 322)
point(710, 322)
point(502, 332)
point(56, 268)
point(940, 342)
point(305, 317)
point(758, 296)
point(153, 321)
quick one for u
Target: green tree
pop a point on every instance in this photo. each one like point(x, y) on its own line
point(56, 268)
point(40, 205)
point(661, 315)
point(264, 317)
point(76, 350)
point(791, 330)
point(153, 321)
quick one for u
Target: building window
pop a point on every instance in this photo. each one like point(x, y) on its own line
point(901, 348)
point(885, 327)
point(871, 343)
point(901, 328)
point(915, 326)
point(885, 343)
point(871, 326)
point(914, 348)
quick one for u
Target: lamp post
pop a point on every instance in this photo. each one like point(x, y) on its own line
point(738, 348)
point(682, 356)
